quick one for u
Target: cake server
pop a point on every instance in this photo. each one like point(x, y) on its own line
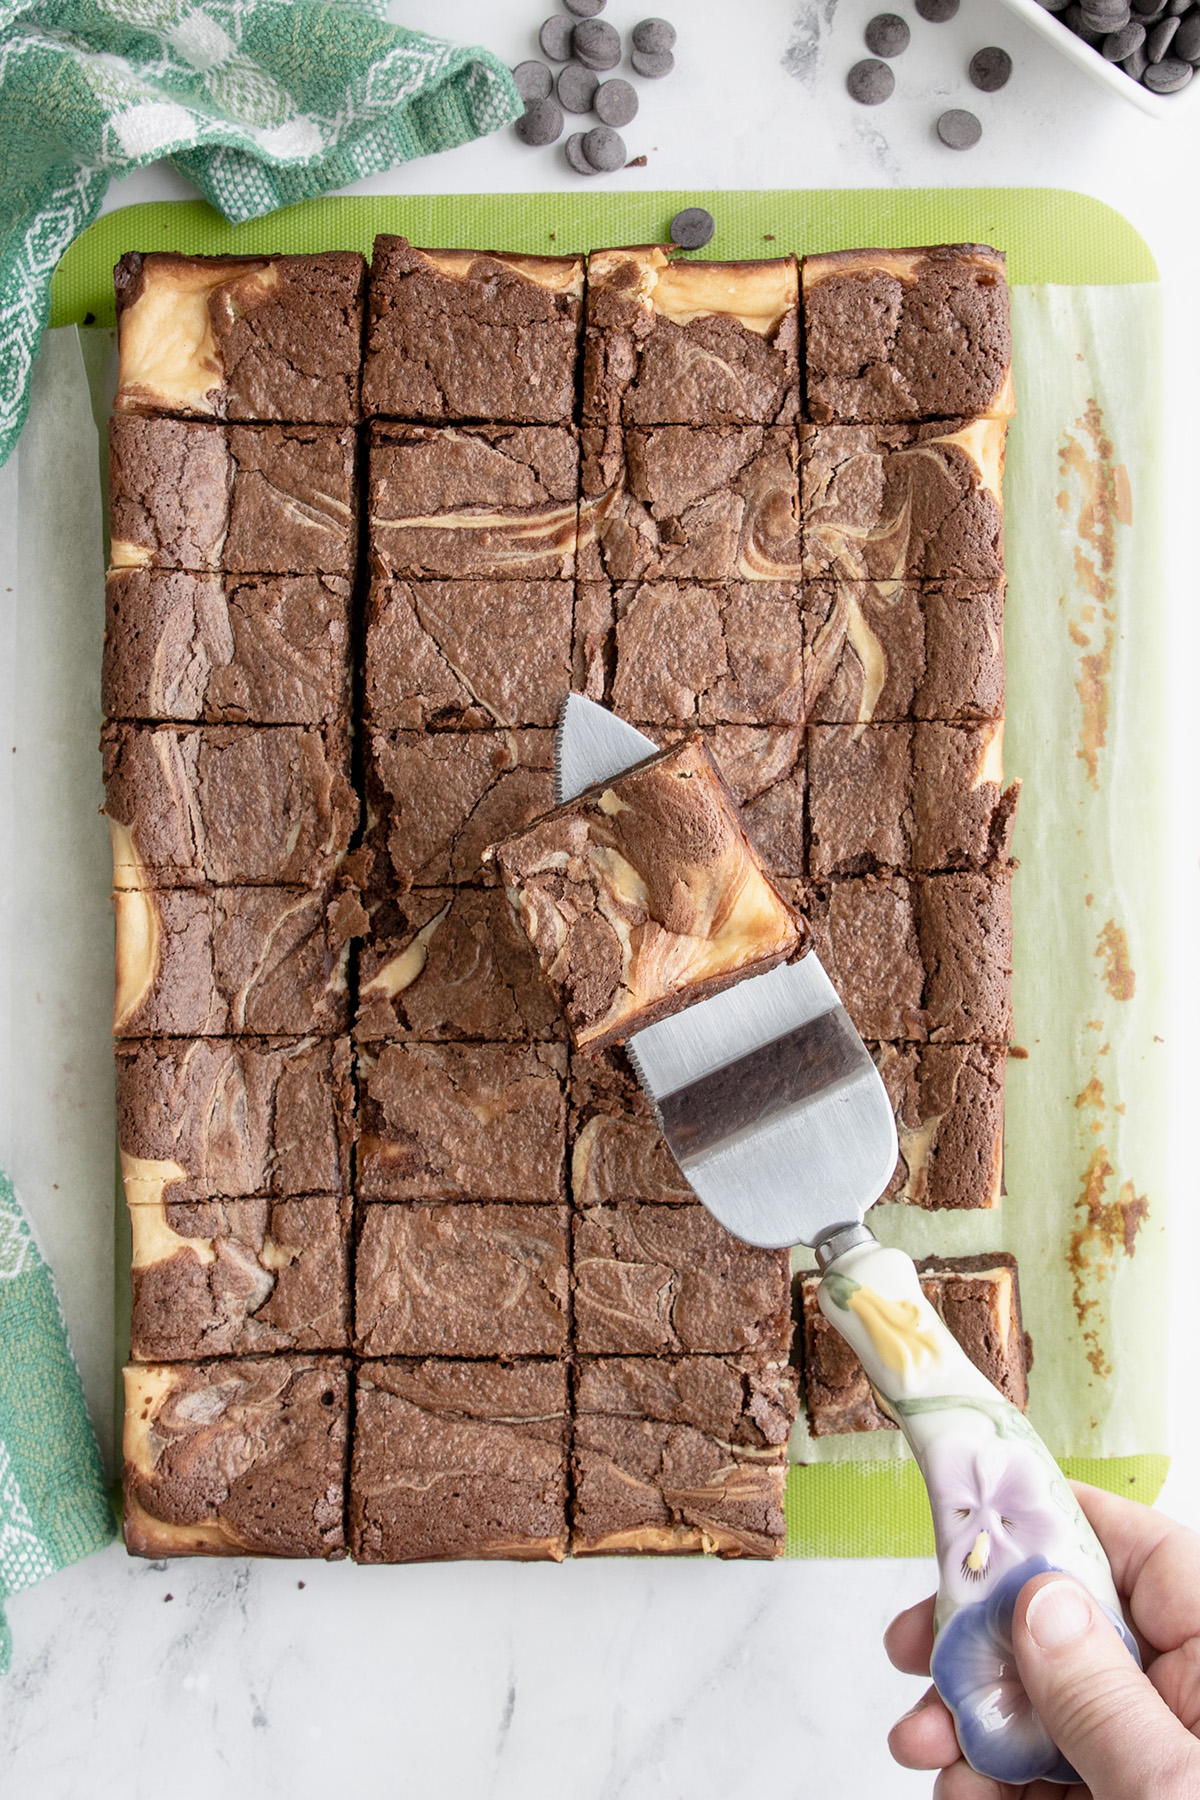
point(778, 1118)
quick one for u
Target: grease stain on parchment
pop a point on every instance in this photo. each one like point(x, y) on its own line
point(1097, 499)
point(1104, 1231)
point(1112, 947)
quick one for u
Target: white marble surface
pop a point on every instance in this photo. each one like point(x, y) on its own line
point(621, 1681)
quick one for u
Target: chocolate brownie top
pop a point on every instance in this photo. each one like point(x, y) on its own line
point(743, 1400)
point(617, 1149)
point(949, 1106)
point(965, 924)
point(881, 653)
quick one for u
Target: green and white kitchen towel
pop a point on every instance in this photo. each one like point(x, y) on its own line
point(260, 103)
point(54, 1508)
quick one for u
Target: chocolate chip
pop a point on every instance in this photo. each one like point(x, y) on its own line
point(1160, 39)
point(1136, 64)
point(1168, 76)
point(573, 149)
point(653, 64)
point(959, 130)
point(887, 35)
point(692, 228)
point(653, 36)
point(596, 44)
point(555, 38)
point(1187, 43)
point(1148, 9)
point(1105, 22)
point(542, 122)
point(990, 68)
point(534, 80)
point(1119, 45)
point(584, 9)
point(1073, 17)
point(615, 102)
point(604, 149)
point(870, 82)
point(576, 88)
point(1178, 7)
point(1054, 6)
point(937, 11)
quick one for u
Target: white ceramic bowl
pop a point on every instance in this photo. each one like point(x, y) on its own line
point(1159, 106)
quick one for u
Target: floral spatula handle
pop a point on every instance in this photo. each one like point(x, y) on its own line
point(1002, 1511)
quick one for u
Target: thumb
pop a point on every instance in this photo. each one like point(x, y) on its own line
point(1089, 1693)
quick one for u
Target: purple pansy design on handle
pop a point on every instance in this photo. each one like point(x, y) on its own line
point(992, 1509)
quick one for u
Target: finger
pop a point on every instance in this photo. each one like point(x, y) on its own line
point(908, 1640)
point(1101, 1711)
point(1176, 1675)
point(960, 1782)
point(925, 1738)
point(1155, 1562)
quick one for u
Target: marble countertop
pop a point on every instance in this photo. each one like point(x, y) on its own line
point(622, 1680)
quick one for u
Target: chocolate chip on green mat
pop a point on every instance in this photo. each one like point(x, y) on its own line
point(604, 149)
point(596, 44)
point(937, 11)
point(1159, 41)
point(573, 150)
point(959, 130)
point(653, 64)
point(870, 82)
point(534, 80)
point(887, 35)
point(692, 228)
point(1137, 64)
point(542, 123)
point(576, 88)
point(1187, 43)
point(1118, 46)
point(653, 36)
point(584, 9)
point(615, 102)
point(554, 38)
point(1168, 76)
point(990, 68)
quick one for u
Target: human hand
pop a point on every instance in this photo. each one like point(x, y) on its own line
point(1130, 1735)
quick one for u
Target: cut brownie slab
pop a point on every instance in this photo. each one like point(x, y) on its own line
point(472, 334)
point(617, 1149)
point(883, 652)
point(226, 650)
point(474, 502)
point(766, 766)
point(213, 1118)
point(459, 1459)
point(240, 1277)
point(669, 342)
point(907, 334)
point(253, 499)
point(237, 1458)
point(654, 1279)
point(225, 337)
point(462, 1122)
point(949, 1105)
point(467, 654)
point(211, 963)
point(677, 503)
point(231, 804)
point(965, 926)
point(671, 1456)
point(461, 1280)
point(451, 963)
point(979, 1301)
point(903, 502)
point(645, 894)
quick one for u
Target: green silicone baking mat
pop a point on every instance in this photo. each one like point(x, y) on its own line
point(1085, 1192)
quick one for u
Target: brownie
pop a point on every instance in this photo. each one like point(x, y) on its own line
point(461, 1280)
point(232, 804)
point(884, 652)
point(965, 926)
point(669, 342)
point(212, 963)
point(462, 1122)
point(865, 933)
point(459, 1459)
point(225, 337)
point(949, 1105)
point(248, 499)
point(467, 654)
point(907, 334)
point(766, 768)
point(226, 650)
point(644, 894)
point(617, 1149)
point(679, 503)
point(652, 1279)
point(892, 503)
point(677, 1455)
point(211, 1118)
point(677, 653)
point(239, 1277)
point(474, 502)
point(977, 1298)
point(237, 1458)
point(436, 801)
point(451, 963)
point(472, 334)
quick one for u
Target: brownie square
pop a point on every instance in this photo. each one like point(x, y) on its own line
point(617, 1149)
point(677, 503)
point(237, 805)
point(650, 1280)
point(459, 1459)
point(473, 502)
point(907, 334)
point(249, 499)
point(978, 1300)
point(461, 1280)
point(963, 817)
point(467, 655)
point(668, 342)
point(435, 802)
point(865, 932)
point(965, 925)
point(879, 653)
point(184, 646)
point(240, 1458)
point(671, 1456)
point(451, 963)
point(949, 1106)
point(212, 1118)
point(644, 895)
point(903, 502)
point(766, 766)
point(196, 963)
point(472, 334)
point(225, 337)
point(462, 1122)
point(240, 1277)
